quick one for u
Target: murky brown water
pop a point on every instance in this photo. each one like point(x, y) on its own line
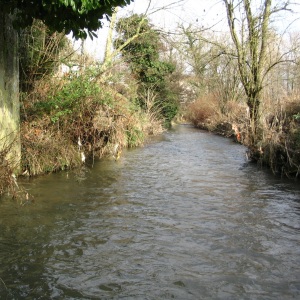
point(185, 217)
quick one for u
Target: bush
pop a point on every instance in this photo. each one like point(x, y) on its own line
point(203, 113)
point(77, 117)
point(280, 146)
point(68, 98)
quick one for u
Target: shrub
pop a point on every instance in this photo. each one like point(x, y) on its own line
point(204, 112)
point(280, 145)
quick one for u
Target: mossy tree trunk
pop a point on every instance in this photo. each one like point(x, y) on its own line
point(9, 92)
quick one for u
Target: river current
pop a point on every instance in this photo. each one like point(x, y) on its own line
point(184, 217)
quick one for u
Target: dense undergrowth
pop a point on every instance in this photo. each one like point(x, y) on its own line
point(69, 120)
point(77, 117)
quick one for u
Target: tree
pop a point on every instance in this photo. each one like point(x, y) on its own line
point(141, 53)
point(250, 30)
point(143, 56)
point(82, 17)
point(39, 53)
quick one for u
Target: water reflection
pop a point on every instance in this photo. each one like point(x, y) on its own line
point(185, 217)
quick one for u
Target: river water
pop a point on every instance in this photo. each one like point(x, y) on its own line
point(185, 217)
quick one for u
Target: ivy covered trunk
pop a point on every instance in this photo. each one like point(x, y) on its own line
point(10, 146)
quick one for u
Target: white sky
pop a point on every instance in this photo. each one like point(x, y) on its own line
point(168, 14)
point(165, 14)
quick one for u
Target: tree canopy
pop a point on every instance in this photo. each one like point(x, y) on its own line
point(82, 17)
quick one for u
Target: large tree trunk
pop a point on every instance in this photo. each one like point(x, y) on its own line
point(9, 93)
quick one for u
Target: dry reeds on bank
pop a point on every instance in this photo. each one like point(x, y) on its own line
point(280, 144)
point(278, 135)
point(68, 123)
point(228, 120)
point(8, 182)
point(204, 112)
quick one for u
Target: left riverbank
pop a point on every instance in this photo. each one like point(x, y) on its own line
point(70, 120)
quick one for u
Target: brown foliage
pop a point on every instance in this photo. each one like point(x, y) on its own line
point(8, 181)
point(203, 112)
point(280, 145)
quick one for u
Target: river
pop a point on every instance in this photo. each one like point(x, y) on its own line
point(184, 217)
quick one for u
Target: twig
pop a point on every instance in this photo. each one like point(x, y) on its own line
point(3, 283)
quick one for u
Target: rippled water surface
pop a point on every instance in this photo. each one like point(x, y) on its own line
point(184, 217)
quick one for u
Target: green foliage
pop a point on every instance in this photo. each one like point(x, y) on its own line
point(135, 136)
point(170, 107)
point(140, 45)
point(68, 99)
point(82, 17)
point(142, 52)
point(297, 117)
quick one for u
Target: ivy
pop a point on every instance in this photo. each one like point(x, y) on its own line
point(143, 56)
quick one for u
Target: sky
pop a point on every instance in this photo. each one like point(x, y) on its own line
point(167, 14)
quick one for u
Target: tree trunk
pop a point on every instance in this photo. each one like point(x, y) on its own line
point(254, 105)
point(109, 42)
point(9, 94)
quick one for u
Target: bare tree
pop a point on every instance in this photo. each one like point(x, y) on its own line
point(250, 32)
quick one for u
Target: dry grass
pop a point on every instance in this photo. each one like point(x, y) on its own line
point(230, 120)
point(91, 127)
point(278, 140)
point(280, 143)
point(204, 113)
point(8, 180)
point(46, 150)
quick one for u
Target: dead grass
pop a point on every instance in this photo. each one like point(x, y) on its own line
point(46, 150)
point(8, 179)
point(278, 144)
point(281, 136)
point(204, 113)
point(230, 121)
point(92, 127)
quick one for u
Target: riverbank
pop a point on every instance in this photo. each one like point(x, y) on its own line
point(71, 120)
point(278, 137)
